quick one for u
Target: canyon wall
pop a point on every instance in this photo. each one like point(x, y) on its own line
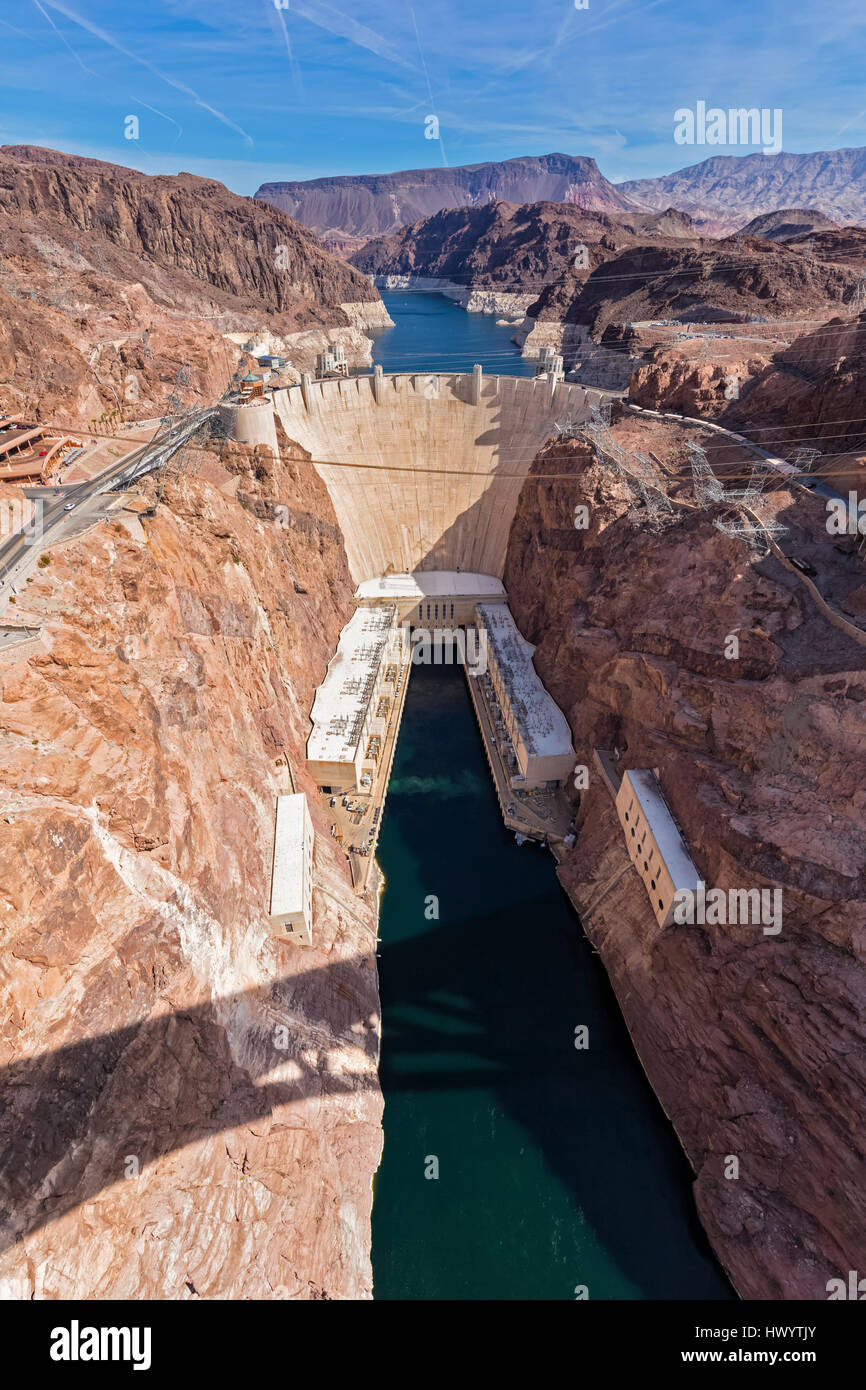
point(754, 1043)
point(374, 443)
point(192, 1108)
point(112, 280)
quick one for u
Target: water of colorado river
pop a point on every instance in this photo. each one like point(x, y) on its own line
point(515, 1166)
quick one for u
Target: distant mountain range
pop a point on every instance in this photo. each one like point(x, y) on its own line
point(369, 205)
point(721, 194)
point(732, 189)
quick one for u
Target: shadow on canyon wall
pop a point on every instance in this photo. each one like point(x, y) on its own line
point(70, 1118)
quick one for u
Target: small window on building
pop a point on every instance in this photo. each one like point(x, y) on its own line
point(428, 610)
point(661, 904)
point(420, 610)
point(632, 832)
point(436, 610)
point(626, 815)
point(452, 610)
point(653, 884)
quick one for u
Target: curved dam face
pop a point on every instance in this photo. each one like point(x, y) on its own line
point(425, 471)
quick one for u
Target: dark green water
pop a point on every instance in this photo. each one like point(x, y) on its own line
point(433, 334)
point(556, 1167)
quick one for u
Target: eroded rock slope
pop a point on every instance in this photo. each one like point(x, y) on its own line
point(754, 1043)
point(191, 1109)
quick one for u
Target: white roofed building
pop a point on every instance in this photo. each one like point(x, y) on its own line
point(291, 906)
point(534, 723)
point(433, 598)
point(352, 705)
point(654, 843)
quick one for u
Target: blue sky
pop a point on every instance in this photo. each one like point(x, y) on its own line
point(246, 91)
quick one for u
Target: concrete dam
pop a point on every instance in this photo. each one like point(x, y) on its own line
point(424, 471)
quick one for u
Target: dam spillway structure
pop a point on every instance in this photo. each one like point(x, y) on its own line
point(424, 470)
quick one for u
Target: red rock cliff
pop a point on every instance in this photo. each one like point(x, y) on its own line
point(193, 1109)
point(754, 1043)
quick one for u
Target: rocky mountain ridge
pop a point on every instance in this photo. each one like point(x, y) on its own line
point(367, 205)
point(726, 191)
point(722, 193)
point(110, 280)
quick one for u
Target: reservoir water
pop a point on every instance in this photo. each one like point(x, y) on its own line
point(433, 334)
point(515, 1166)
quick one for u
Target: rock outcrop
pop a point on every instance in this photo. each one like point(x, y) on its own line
point(754, 1043)
point(809, 392)
point(787, 223)
point(191, 1107)
point(110, 280)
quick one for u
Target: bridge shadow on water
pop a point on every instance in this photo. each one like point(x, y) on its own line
point(463, 1021)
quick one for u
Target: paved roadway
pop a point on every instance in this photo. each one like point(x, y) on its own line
point(56, 519)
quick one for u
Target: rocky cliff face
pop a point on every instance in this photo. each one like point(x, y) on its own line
point(111, 280)
point(192, 1108)
point(369, 204)
point(711, 281)
point(514, 247)
point(806, 393)
point(181, 223)
point(754, 1043)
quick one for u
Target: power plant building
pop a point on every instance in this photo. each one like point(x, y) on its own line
point(291, 906)
point(536, 727)
point(353, 704)
point(654, 843)
point(433, 598)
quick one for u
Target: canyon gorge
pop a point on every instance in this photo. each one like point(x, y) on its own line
point(194, 1108)
point(145, 738)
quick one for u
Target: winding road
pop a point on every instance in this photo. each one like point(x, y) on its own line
point(58, 516)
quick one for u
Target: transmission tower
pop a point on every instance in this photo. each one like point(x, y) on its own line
point(804, 457)
point(568, 428)
point(858, 299)
point(635, 470)
point(753, 530)
point(707, 487)
point(709, 491)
